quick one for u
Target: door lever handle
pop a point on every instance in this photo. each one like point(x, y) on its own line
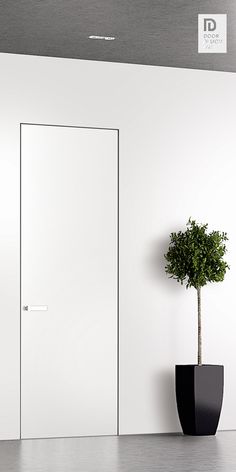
point(35, 307)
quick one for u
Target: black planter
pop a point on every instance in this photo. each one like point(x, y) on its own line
point(199, 395)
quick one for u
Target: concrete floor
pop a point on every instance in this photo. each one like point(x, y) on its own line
point(145, 453)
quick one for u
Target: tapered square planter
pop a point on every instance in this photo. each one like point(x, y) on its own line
point(199, 396)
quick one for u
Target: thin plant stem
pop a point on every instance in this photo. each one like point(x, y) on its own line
point(199, 356)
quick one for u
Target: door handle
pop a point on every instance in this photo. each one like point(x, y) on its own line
point(35, 307)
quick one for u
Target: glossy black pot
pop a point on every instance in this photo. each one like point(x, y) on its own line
point(199, 396)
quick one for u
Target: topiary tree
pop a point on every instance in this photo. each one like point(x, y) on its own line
point(195, 257)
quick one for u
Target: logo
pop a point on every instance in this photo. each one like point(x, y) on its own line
point(209, 24)
point(212, 33)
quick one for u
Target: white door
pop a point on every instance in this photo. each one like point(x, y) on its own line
point(68, 281)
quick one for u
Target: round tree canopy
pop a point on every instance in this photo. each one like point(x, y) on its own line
point(195, 257)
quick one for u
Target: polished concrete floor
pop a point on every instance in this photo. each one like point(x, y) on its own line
point(145, 453)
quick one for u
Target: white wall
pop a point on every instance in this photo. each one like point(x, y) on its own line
point(177, 159)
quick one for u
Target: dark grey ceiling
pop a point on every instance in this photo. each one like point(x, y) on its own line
point(157, 32)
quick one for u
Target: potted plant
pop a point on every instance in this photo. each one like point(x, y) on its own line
point(194, 258)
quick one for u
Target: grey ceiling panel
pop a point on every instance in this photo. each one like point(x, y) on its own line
point(147, 32)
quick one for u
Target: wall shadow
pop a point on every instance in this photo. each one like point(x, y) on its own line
point(165, 389)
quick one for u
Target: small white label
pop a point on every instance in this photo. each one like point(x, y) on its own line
point(212, 33)
point(36, 308)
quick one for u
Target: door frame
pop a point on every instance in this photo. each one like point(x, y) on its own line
point(117, 254)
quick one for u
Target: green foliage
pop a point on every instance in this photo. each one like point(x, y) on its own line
point(195, 256)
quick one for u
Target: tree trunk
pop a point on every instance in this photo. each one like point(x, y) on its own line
point(199, 356)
